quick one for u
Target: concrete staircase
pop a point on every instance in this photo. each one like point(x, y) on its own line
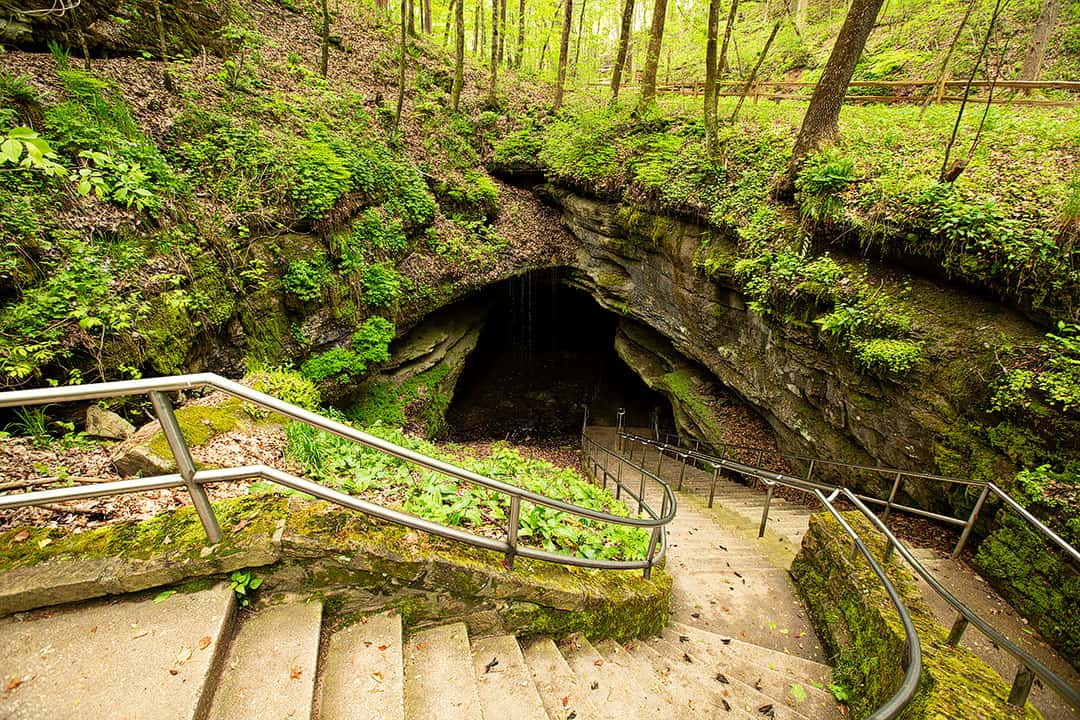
point(192, 656)
point(739, 645)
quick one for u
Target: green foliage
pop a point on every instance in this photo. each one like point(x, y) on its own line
point(381, 284)
point(821, 180)
point(320, 178)
point(887, 357)
point(244, 584)
point(115, 179)
point(370, 474)
point(474, 196)
point(306, 279)
point(369, 345)
point(24, 148)
point(416, 401)
point(285, 384)
point(519, 151)
point(376, 230)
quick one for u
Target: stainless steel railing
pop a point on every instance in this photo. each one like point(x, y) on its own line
point(195, 480)
point(1028, 667)
point(898, 477)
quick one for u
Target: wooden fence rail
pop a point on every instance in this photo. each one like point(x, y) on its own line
point(917, 90)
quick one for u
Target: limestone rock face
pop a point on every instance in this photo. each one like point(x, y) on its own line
point(106, 424)
point(812, 398)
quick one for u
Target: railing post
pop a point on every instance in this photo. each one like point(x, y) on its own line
point(618, 477)
point(654, 540)
point(659, 459)
point(641, 492)
point(892, 497)
point(712, 486)
point(810, 470)
point(957, 631)
point(971, 521)
point(605, 469)
point(765, 512)
point(682, 473)
point(512, 521)
point(619, 430)
point(1021, 686)
point(175, 438)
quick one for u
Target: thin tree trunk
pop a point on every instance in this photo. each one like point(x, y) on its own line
point(547, 37)
point(577, 50)
point(519, 55)
point(949, 174)
point(821, 121)
point(502, 30)
point(564, 50)
point(494, 78)
point(459, 53)
point(724, 68)
point(1040, 38)
point(652, 54)
point(943, 73)
point(476, 30)
point(624, 46)
point(450, 16)
point(401, 66)
point(427, 17)
point(412, 18)
point(324, 50)
point(167, 77)
point(85, 49)
point(753, 73)
point(483, 27)
point(710, 75)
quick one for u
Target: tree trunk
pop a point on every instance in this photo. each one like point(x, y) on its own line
point(652, 55)
point(483, 27)
point(476, 30)
point(167, 77)
point(412, 18)
point(820, 123)
point(324, 50)
point(724, 68)
point(943, 73)
point(450, 15)
point(494, 77)
point(401, 65)
point(502, 30)
point(710, 75)
point(1040, 38)
point(519, 55)
point(459, 53)
point(564, 50)
point(624, 45)
point(427, 17)
point(577, 50)
point(753, 73)
point(547, 37)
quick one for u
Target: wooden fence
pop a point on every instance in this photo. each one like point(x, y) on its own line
point(1006, 92)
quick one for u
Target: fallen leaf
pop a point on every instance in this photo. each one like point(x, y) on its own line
point(383, 647)
point(46, 541)
point(565, 700)
point(798, 692)
point(164, 595)
point(12, 684)
point(598, 662)
point(183, 656)
point(295, 672)
point(24, 535)
point(594, 685)
point(421, 646)
point(204, 642)
point(93, 630)
point(490, 665)
point(727, 707)
point(721, 677)
point(174, 671)
point(141, 633)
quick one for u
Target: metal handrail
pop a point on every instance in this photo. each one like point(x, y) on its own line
point(899, 476)
point(1029, 666)
point(903, 695)
point(194, 479)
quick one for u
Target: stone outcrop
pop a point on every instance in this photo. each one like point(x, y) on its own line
point(642, 267)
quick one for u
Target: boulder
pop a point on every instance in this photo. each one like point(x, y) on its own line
point(106, 424)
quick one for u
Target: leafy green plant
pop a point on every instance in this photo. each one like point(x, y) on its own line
point(306, 279)
point(382, 285)
point(244, 583)
point(820, 184)
point(370, 344)
point(24, 148)
point(320, 177)
point(33, 422)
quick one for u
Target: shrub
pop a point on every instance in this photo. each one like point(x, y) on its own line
point(382, 285)
point(306, 278)
point(287, 385)
point(370, 344)
point(320, 178)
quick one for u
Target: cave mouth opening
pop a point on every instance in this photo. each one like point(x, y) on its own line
point(546, 353)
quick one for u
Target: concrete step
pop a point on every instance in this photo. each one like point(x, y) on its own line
point(688, 688)
point(721, 649)
point(361, 677)
point(503, 680)
point(615, 690)
point(754, 685)
point(636, 676)
point(152, 659)
point(562, 695)
point(764, 610)
point(439, 682)
point(271, 666)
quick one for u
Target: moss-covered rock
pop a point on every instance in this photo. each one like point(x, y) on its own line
point(863, 633)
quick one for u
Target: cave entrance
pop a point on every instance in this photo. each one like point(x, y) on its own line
point(546, 353)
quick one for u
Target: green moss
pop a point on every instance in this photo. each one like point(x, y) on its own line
point(178, 531)
point(199, 423)
point(863, 634)
point(168, 333)
point(682, 387)
point(421, 397)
